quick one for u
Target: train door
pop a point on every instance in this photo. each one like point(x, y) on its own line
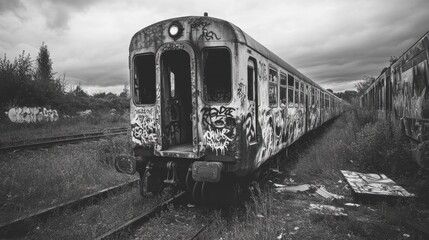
point(252, 96)
point(176, 101)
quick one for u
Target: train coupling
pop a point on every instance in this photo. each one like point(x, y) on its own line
point(171, 173)
point(126, 164)
point(207, 171)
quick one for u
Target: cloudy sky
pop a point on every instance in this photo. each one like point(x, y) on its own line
point(334, 42)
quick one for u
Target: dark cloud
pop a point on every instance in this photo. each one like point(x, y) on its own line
point(10, 5)
point(58, 12)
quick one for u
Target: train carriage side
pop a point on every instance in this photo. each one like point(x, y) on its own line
point(401, 93)
point(410, 96)
point(289, 103)
point(208, 101)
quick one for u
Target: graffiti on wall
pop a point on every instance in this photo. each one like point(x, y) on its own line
point(202, 23)
point(218, 139)
point(143, 126)
point(249, 128)
point(409, 101)
point(32, 115)
point(241, 93)
point(219, 123)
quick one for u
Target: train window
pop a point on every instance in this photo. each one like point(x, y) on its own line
point(301, 94)
point(290, 83)
point(297, 93)
point(251, 76)
point(283, 90)
point(327, 100)
point(273, 76)
point(144, 79)
point(322, 100)
point(272, 88)
point(313, 96)
point(217, 75)
point(272, 95)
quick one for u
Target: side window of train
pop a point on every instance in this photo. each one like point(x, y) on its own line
point(144, 79)
point(283, 90)
point(313, 96)
point(322, 100)
point(251, 78)
point(217, 75)
point(291, 87)
point(273, 87)
point(297, 93)
point(326, 100)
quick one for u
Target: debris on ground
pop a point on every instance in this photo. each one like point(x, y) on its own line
point(320, 190)
point(375, 184)
point(355, 205)
point(327, 210)
point(293, 189)
point(327, 195)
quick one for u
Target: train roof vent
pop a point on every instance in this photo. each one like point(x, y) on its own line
point(206, 14)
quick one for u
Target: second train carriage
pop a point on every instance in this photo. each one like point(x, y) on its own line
point(210, 105)
point(401, 94)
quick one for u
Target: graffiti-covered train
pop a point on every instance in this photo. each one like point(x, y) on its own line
point(401, 94)
point(210, 105)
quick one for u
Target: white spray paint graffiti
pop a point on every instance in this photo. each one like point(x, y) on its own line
point(220, 125)
point(32, 115)
point(143, 127)
point(217, 139)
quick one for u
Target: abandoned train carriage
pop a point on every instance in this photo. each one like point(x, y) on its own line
point(210, 103)
point(401, 93)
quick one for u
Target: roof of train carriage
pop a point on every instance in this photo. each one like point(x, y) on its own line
point(238, 36)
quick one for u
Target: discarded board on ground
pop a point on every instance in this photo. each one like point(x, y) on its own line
point(374, 184)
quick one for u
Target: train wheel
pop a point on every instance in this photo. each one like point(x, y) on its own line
point(150, 183)
point(209, 193)
point(189, 181)
point(196, 192)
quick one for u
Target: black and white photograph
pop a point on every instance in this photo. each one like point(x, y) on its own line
point(214, 120)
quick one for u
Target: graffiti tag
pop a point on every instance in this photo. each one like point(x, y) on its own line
point(217, 139)
point(217, 118)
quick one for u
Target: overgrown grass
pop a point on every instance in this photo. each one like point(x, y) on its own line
point(10, 132)
point(41, 178)
point(356, 141)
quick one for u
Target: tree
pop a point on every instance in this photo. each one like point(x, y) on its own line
point(16, 85)
point(363, 85)
point(44, 66)
point(347, 95)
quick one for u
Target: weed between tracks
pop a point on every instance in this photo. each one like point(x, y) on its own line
point(356, 141)
point(33, 180)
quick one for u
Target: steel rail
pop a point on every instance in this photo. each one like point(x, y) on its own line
point(140, 219)
point(14, 226)
point(51, 141)
point(202, 229)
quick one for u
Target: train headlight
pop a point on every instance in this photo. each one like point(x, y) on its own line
point(175, 30)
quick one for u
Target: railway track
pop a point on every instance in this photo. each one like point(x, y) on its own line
point(58, 140)
point(15, 226)
point(133, 223)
